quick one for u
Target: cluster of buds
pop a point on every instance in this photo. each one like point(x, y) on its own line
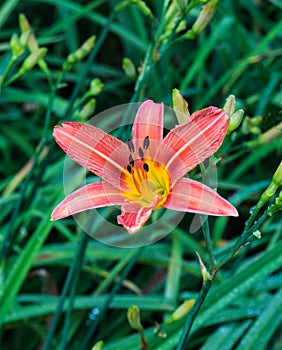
point(35, 51)
point(203, 20)
point(235, 117)
point(88, 102)
point(271, 190)
point(79, 54)
point(138, 3)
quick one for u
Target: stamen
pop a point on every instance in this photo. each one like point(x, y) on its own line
point(130, 145)
point(146, 167)
point(129, 169)
point(146, 142)
point(141, 153)
point(131, 161)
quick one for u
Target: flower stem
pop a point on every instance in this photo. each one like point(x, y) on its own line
point(192, 314)
point(207, 236)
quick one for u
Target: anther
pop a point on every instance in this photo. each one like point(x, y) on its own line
point(146, 167)
point(129, 169)
point(131, 161)
point(146, 142)
point(141, 153)
point(130, 145)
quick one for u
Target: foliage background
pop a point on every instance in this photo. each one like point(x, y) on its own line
point(59, 289)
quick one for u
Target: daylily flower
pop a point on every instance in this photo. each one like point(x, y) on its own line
point(146, 172)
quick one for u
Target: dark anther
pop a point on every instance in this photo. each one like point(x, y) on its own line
point(141, 153)
point(146, 142)
point(130, 145)
point(131, 161)
point(146, 167)
point(129, 169)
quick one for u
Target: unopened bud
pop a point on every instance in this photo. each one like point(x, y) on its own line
point(80, 53)
point(139, 3)
point(88, 109)
point(133, 316)
point(230, 105)
point(277, 177)
point(16, 47)
point(272, 188)
point(276, 206)
point(96, 87)
point(205, 274)
point(24, 38)
point(33, 58)
point(203, 20)
point(252, 125)
point(180, 106)
point(182, 310)
point(25, 26)
point(128, 67)
point(98, 346)
point(235, 120)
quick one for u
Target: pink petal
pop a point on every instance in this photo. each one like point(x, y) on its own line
point(92, 148)
point(134, 216)
point(192, 142)
point(148, 122)
point(192, 196)
point(94, 195)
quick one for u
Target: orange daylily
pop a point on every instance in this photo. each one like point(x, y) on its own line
point(147, 172)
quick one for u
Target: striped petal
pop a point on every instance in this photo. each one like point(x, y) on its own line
point(192, 196)
point(134, 216)
point(92, 148)
point(149, 122)
point(94, 195)
point(192, 142)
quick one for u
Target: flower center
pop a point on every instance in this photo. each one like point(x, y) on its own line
point(146, 180)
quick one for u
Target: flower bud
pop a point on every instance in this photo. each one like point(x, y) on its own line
point(128, 68)
point(139, 3)
point(182, 310)
point(272, 134)
point(180, 106)
point(98, 346)
point(25, 26)
point(277, 177)
point(16, 47)
point(32, 59)
point(277, 206)
point(230, 105)
point(80, 53)
point(24, 38)
point(88, 109)
point(272, 188)
point(203, 20)
point(252, 125)
point(133, 316)
point(235, 120)
point(96, 87)
point(205, 274)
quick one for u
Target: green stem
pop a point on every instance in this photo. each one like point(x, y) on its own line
point(192, 314)
point(207, 236)
point(243, 239)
